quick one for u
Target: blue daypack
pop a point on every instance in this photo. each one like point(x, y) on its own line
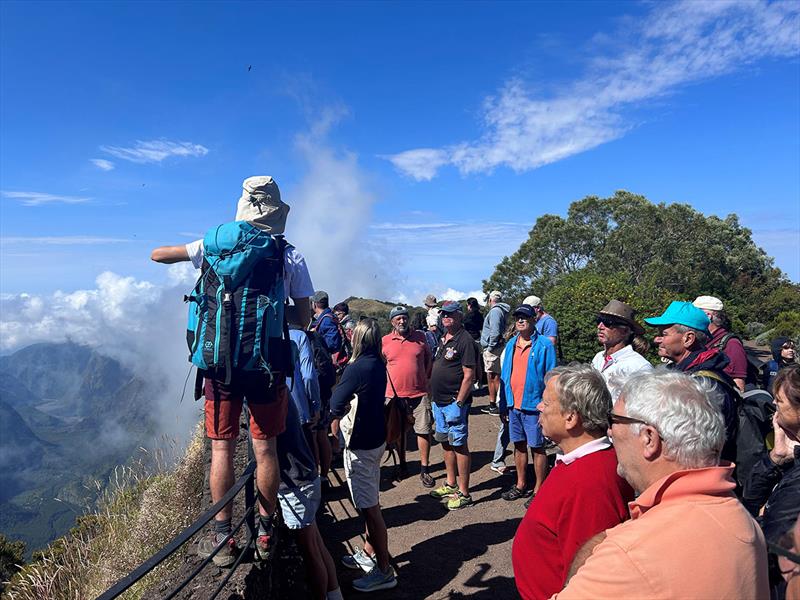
point(236, 309)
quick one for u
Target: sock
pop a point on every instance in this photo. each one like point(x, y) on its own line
point(264, 525)
point(423, 469)
point(335, 594)
point(222, 528)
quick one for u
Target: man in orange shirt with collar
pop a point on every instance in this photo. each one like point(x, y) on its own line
point(408, 365)
point(689, 536)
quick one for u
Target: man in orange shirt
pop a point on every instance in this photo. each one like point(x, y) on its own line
point(689, 536)
point(408, 364)
point(526, 359)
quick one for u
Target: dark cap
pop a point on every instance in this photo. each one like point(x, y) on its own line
point(397, 311)
point(451, 306)
point(319, 296)
point(525, 310)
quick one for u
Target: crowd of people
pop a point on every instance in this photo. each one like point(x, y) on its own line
point(646, 481)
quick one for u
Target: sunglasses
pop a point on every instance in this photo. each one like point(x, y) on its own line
point(523, 318)
point(607, 322)
point(788, 346)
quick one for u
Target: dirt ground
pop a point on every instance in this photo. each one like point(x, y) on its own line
point(436, 553)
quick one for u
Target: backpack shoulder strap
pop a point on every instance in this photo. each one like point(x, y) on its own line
point(719, 379)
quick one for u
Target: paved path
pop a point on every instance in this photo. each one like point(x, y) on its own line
point(437, 553)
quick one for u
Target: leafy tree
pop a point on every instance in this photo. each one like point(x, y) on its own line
point(12, 553)
point(669, 251)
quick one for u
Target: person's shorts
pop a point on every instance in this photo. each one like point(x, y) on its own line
point(523, 426)
point(299, 504)
point(363, 471)
point(491, 360)
point(452, 423)
point(423, 414)
point(267, 404)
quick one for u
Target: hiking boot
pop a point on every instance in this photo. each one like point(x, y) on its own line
point(264, 546)
point(501, 469)
point(376, 580)
point(445, 491)
point(459, 501)
point(491, 409)
point(427, 480)
point(359, 560)
point(227, 554)
point(514, 493)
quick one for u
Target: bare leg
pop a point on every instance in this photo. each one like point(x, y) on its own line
point(267, 474)
point(424, 444)
point(325, 456)
point(521, 462)
point(493, 381)
point(450, 464)
point(539, 467)
point(464, 461)
point(378, 537)
point(221, 473)
point(315, 564)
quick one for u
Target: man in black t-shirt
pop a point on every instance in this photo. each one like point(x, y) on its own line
point(451, 392)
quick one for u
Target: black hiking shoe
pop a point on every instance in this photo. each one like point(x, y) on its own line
point(491, 409)
point(514, 493)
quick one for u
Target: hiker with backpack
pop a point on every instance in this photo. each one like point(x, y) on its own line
point(239, 341)
point(357, 406)
point(728, 343)
point(408, 365)
point(325, 323)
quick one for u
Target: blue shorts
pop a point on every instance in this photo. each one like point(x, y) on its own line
point(523, 426)
point(451, 423)
point(299, 504)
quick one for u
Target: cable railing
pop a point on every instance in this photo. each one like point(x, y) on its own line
point(246, 482)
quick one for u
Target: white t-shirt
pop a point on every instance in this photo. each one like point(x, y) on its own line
point(622, 364)
point(296, 280)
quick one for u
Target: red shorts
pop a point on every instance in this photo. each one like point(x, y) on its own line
point(268, 406)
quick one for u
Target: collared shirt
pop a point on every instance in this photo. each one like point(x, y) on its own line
point(519, 369)
point(617, 367)
point(581, 451)
point(688, 537)
point(408, 362)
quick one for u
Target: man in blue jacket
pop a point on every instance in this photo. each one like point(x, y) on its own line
point(527, 357)
point(325, 322)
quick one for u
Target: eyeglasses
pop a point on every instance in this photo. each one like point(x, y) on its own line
point(606, 322)
point(615, 419)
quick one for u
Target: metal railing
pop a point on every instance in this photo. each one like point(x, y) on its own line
point(246, 481)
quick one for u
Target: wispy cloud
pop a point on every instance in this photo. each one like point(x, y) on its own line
point(412, 226)
point(66, 240)
point(39, 198)
point(675, 45)
point(155, 151)
point(102, 164)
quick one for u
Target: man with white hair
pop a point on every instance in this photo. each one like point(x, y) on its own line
point(583, 495)
point(264, 263)
point(689, 536)
point(721, 338)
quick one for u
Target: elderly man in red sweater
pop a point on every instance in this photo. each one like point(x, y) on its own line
point(583, 494)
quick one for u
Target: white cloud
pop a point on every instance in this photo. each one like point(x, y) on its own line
point(409, 226)
point(39, 198)
point(103, 164)
point(155, 151)
point(66, 240)
point(675, 45)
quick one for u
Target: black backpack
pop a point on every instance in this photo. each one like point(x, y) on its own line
point(326, 371)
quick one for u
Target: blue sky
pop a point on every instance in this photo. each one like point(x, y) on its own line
point(417, 143)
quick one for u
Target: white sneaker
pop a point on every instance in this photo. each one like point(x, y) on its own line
point(359, 560)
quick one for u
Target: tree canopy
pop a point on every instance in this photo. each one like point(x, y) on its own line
point(628, 248)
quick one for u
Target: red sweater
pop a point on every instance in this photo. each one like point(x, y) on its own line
point(576, 502)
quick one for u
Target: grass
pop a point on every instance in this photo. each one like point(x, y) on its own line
point(142, 509)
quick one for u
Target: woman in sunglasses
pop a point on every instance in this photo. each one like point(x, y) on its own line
point(783, 355)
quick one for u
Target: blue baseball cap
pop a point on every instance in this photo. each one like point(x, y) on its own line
point(451, 306)
point(397, 311)
point(681, 313)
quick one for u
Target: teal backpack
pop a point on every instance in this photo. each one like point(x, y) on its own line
point(236, 308)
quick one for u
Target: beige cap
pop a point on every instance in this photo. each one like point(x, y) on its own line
point(532, 301)
point(495, 295)
point(708, 303)
point(430, 301)
point(261, 204)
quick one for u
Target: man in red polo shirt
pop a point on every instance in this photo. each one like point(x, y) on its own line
point(583, 494)
point(408, 364)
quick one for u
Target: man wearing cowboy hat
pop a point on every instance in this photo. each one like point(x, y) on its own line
point(260, 204)
point(616, 328)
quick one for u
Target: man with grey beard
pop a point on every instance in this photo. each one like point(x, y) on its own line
point(408, 364)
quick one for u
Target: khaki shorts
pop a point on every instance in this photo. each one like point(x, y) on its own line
point(363, 471)
point(423, 414)
point(491, 360)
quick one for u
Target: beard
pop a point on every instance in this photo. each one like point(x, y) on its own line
point(401, 329)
